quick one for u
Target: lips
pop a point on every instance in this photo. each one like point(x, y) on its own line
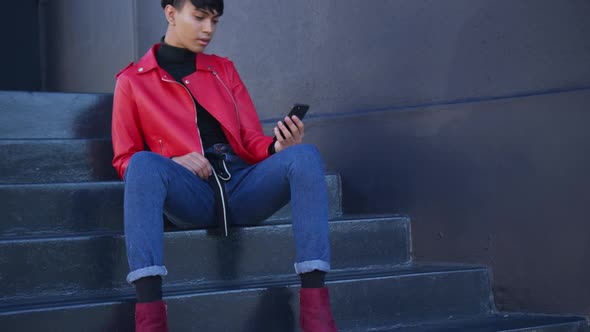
point(203, 42)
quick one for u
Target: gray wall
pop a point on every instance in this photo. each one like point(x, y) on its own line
point(500, 182)
point(344, 55)
point(350, 56)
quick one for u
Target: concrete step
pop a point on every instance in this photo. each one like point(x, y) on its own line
point(360, 300)
point(64, 209)
point(52, 161)
point(62, 115)
point(500, 322)
point(97, 265)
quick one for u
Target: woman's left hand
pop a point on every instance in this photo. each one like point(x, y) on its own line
point(292, 137)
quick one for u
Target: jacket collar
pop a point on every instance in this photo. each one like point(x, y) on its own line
point(148, 62)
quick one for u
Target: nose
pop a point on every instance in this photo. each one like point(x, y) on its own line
point(208, 26)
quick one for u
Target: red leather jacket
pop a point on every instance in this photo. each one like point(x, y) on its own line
point(152, 109)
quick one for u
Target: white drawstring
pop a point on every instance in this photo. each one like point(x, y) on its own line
point(227, 171)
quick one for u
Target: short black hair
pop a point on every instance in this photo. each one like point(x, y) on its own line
point(210, 5)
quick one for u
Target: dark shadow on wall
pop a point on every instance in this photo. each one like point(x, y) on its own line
point(20, 60)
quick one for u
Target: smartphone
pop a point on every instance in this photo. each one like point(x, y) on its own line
point(298, 110)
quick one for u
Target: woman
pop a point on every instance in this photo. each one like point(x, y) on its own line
point(208, 162)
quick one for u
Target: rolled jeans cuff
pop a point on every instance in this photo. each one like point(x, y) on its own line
point(147, 272)
point(309, 266)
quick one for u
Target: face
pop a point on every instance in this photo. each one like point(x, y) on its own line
point(190, 27)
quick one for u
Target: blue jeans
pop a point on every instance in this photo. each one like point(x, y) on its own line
point(155, 185)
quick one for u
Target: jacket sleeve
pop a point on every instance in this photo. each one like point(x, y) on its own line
point(127, 136)
point(251, 132)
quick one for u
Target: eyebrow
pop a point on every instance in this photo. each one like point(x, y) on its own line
point(207, 12)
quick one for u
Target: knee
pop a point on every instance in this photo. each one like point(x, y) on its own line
point(142, 163)
point(305, 154)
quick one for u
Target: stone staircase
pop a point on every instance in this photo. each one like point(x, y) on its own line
point(63, 263)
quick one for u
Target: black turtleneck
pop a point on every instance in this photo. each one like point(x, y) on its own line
point(179, 63)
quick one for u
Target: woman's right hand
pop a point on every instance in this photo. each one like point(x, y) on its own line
point(196, 163)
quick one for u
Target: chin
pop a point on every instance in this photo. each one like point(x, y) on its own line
point(197, 49)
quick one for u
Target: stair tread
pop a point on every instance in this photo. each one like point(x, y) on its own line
point(494, 323)
point(66, 209)
point(173, 231)
point(89, 184)
point(359, 297)
point(172, 291)
point(34, 161)
point(64, 115)
point(97, 263)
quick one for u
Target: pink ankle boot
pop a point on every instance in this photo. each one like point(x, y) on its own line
point(315, 314)
point(151, 317)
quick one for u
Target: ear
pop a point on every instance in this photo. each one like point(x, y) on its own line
point(170, 13)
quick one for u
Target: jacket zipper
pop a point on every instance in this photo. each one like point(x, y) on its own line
point(195, 108)
point(232, 98)
point(161, 147)
point(225, 231)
